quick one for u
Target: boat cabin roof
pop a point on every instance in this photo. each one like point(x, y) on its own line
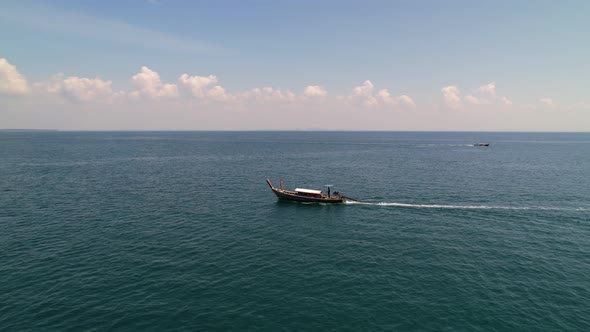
point(308, 191)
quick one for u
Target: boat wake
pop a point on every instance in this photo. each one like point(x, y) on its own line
point(460, 207)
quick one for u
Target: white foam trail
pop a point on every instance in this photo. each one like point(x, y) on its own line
point(464, 207)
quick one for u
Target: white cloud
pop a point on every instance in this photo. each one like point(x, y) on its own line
point(363, 94)
point(547, 101)
point(386, 98)
point(366, 89)
point(268, 94)
point(489, 88)
point(79, 88)
point(484, 95)
point(197, 84)
point(11, 81)
point(476, 101)
point(203, 87)
point(315, 91)
point(218, 93)
point(86, 89)
point(452, 96)
point(506, 101)
point(151, 85)
point(406, 100)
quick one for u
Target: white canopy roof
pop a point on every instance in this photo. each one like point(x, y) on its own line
point(308, 191)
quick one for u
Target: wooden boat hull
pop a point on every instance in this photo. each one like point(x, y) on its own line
point(287, 196)
point(295, 196)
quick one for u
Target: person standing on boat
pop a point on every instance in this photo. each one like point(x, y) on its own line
point(328, 192)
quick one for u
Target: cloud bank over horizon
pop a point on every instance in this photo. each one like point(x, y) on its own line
point(198, 94)
point(149, 86)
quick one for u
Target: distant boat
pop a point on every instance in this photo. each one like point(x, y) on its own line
point(481, 144)
point(306, 195)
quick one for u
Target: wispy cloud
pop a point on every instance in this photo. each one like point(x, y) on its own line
point(547, 102)
point(81, 24)
point(580, 106)
point(484, 95)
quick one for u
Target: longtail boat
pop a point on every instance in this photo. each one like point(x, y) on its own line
point(305, 195)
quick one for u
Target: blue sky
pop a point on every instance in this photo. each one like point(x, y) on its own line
point(444, 65)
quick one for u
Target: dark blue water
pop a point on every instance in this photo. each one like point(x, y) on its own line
point(179, 231)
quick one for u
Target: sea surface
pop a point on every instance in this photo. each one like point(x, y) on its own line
point(155, 231)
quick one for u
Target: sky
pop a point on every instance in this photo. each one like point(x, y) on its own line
point(295, 65)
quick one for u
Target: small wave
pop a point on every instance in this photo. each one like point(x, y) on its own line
point(439, 145)
point(102, 162)
point(462, 207)
point(64, 164)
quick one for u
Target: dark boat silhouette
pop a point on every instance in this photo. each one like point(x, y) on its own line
point(306, 195)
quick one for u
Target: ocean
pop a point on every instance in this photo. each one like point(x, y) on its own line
point(173, 231)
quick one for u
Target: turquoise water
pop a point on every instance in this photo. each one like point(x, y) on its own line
point(179, 231)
